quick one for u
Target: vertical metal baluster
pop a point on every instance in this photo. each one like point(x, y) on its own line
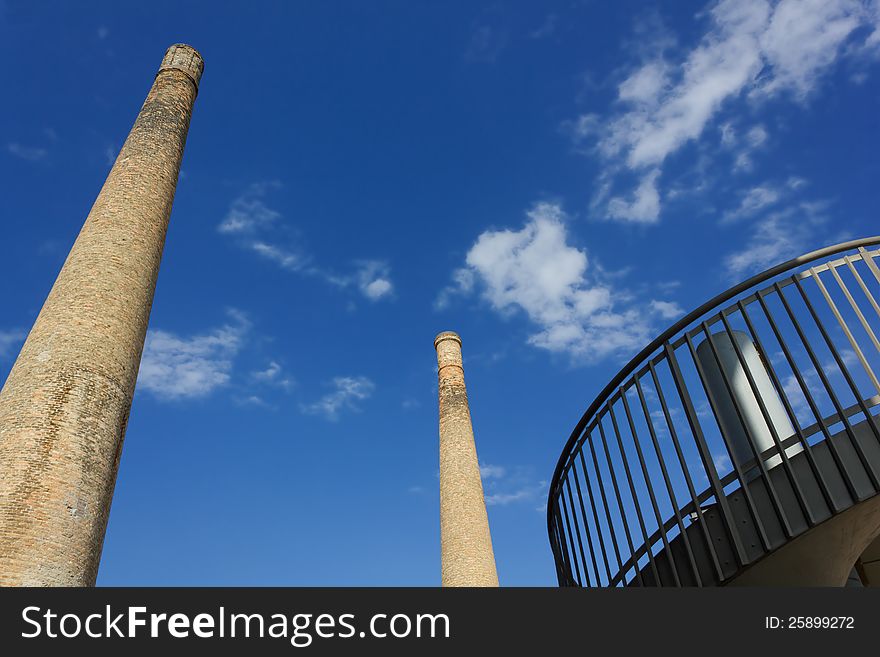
point(673, 434)
point(774, 435)
point(584, 517)
point(577, 528)
point(626, 531)
point(869, 260)
point(826, 493)
point(586, 523)
point(703, 448)
point(570, 541)
point(852, 302)
point(651, 495)
point(563, 545)
point(805, 390)
point(602, 491)
point(863, 285)
point(669, 489)
point(554, 548)
point(855, 391)
point(589, 486)
point(849, 336)
point(747, 494)
point(635, 499)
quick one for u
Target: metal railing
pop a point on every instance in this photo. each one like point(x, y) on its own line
point(742, 426)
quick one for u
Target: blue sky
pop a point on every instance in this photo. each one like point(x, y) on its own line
point(558, 182)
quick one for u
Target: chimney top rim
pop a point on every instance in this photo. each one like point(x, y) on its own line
point(447, 335)
point(183, 57)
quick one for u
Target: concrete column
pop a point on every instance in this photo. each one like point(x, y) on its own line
point(466, 545)
point(64, 407)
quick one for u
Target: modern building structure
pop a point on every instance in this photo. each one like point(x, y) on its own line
point(65, 404)
point(467, 558)
point(742, 446)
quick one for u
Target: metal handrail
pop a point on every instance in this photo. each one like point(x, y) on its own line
point(646, 359)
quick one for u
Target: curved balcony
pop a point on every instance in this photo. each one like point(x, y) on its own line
point(742, 446)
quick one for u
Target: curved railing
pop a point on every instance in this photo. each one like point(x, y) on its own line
point(746, 423)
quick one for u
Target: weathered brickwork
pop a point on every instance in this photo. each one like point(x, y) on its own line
point(64, 407)
point(466, 545)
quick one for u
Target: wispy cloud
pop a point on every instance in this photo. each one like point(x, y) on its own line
point(29, 153)
point(526, 494)
point(546, 29)
point(274, 375)
point(507, 485)
point(462, 283)
point(666, 309)
point(777, 237)
point(491, 471)
point(743, 146)
point(175, 367)
point(753, 201)
point(284, 258)
point(486, 43)
point(750, 49)
point(258, 228)
point(644, 204)
point(347, 390)
point(9, 340)
point(249, 212)
point(110, 153)
point(374, 279)
point(535, 270)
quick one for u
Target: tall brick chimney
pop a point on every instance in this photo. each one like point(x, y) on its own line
point(64, 407)
point(466, 545)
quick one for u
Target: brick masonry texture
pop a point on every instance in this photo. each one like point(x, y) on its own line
point(64, 407)
point(467, 558)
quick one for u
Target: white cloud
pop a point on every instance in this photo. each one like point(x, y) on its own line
point(29, 153)
point(722, 463)
point(523, 493)
point(646, 84)
point(667, 309)
point(504, 485)
point(252, 400)
point(756, 136)
point(728, 135)
point(347, 390)
point(282, 257)
point(753, 201)
point(175, 367)
point(248, 212)
point(780, 236)
point(535, 270)
point(750, 48)
point(374, 280)
point(643, 207)
point(9, 340)
point(274, 375)
point(255, 225)
point(803, 39)
point(754, 139)
point(462, 283)
point(491, 471)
